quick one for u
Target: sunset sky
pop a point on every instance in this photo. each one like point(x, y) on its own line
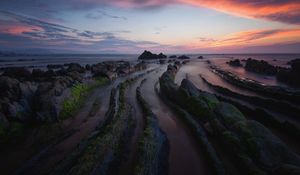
point(169, 26)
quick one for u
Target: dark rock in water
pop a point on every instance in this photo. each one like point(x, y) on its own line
point(200, 57)
point(75, 77)
point(49, 74)
point(173, 56)
point(75, 67)
point(235, 63)
point(37, 74)
point(55, 66)
point(177, 63)
point(61, 72)
point(162, 61)
point(295, 64)
point(183, 57)
point(161, 55)
point(147, 55)
point(88, 67)
point(261, 67)
point(290, 76)
point(185, 61)
point(208, 62)
point(19, 73)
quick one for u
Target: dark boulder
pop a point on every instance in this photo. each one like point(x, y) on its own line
point(49, 74)
point(75, 76)
point(16, 98)
point(37, 74)
point(295, 64)
point(75, 67)
point(161, 61)
point(147, 55)
point(235, 63)
point(88, 67)
point(55, 66)
point(177, 63)
point(161, 55)
point(290, 75)
point(61, 72)
point(200, 57)
point(183, 57)
point(185, 61)
point(260, 66)
point(49, 97)
point(9, 88)
point(173, 56)
point(19, 73)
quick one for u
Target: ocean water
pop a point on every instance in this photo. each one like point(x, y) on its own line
point(41, 61)
point(44, 60)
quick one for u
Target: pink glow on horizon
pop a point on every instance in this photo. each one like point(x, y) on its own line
point(18, 29)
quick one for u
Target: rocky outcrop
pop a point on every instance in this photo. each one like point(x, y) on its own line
point(147, 55)
point(16, 99)
point(154, 145)
point(112, 70)
point(173, 56)
point(75, 67)
point(261, 67)
point(38, 96)
point(253, 148)
point(200, 57)
point(183, 57)
point(235, 63)
point(55, 66)
point(290, 75)
point(275, 92)
point(50, 95)
point(19, 73)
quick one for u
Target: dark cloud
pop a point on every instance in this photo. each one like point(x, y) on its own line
point(291, 18)
point(58, 37)
point(286, 11)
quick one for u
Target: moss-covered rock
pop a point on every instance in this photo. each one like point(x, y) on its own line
point(253, 148)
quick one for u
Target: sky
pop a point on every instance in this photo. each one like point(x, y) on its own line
point(168, 26)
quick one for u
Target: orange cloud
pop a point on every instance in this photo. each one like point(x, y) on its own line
point(248, 38)
point(287, 11)
point(17, 28)
point(255, 37)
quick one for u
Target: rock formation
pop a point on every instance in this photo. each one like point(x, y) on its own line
point(147, 55)
point(261, 67)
